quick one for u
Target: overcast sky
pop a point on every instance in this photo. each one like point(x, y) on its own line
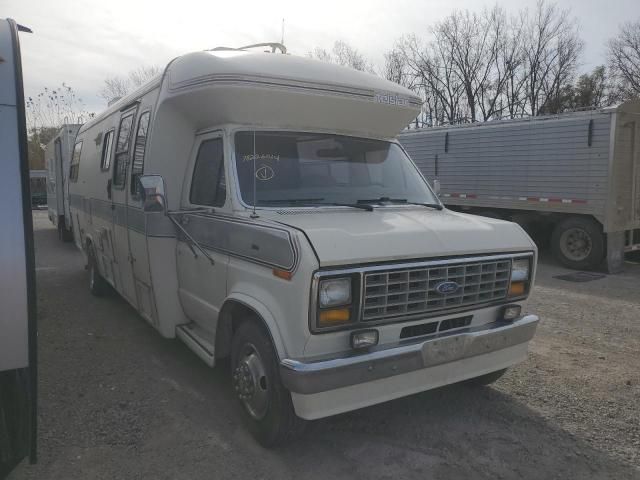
point(84, 42)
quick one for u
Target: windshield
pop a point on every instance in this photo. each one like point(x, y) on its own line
point(300, 169)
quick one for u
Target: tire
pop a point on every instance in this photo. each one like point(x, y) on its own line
point(256, 379)
point(98, 286)
point(64, 235)
point(578, 243)
point(67, 235)
point(486, 379)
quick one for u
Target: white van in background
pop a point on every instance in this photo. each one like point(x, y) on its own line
point(57, 156)
point(259, 207)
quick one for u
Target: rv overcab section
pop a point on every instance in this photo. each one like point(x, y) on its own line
point(258, 207)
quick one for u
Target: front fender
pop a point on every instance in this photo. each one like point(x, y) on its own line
point(265, 314)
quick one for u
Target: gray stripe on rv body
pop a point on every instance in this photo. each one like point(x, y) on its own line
point(262, 244)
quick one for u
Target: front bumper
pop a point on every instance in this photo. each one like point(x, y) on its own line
point(352, 369)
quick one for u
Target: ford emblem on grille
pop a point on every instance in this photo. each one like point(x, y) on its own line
point(445, 288)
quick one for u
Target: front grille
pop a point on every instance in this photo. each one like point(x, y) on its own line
point(402, 292)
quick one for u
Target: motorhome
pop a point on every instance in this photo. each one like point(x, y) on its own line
point(257, 206)
point(57, 157)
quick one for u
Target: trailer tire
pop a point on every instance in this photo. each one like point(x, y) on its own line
point(256, 379)
point(98, 286)
point(578, 243)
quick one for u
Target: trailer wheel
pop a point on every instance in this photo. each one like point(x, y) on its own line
point(98, 286)
point(256, 380)
point(578, 242)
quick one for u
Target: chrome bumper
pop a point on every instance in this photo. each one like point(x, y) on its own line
point(323, 375)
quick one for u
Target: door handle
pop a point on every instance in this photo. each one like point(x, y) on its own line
point(109, 189)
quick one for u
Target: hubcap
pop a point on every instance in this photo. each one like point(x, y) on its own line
point(575, 244)
point(250, 382)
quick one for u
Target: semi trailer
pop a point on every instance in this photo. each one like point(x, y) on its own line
point(571, 179)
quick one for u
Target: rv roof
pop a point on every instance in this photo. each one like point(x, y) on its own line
point(227, 67)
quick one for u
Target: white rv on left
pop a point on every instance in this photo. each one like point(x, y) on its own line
point(57, 156)
point(18, 327)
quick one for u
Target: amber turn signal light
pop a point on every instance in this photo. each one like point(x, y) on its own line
point(516, 289)
point(335, 316)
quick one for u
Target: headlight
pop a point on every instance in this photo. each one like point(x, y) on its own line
point(520, 276)
point(334, 292)
point(520, 270)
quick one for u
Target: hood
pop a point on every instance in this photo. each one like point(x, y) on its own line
point(401, 233)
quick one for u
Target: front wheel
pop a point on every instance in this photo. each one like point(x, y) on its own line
point(256, 380)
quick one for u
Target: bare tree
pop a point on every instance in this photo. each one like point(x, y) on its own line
point(46, 113)
point(552, 48)
point(623, 52)
point(343, 54)
point(396, 69)
point(117, 87)
point(434, 77)
point(468, 39)
point(592, 90)
point(52, 107)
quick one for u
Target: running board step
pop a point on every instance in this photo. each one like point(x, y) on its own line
point(199, 340)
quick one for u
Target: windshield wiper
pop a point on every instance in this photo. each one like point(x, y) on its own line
point(437, 206)
point(315, 202)
point(362, 206)
point(291, 200)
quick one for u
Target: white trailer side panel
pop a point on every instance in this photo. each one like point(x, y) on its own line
point(558, 164)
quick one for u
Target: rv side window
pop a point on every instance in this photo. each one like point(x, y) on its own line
point(122, 151)
point(107, 146)
point(138, 151)
point(75, 162)
point(208, 185)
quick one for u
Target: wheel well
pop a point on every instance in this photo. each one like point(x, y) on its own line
point(232, 315)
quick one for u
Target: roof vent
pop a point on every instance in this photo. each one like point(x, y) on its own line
point(272, 45)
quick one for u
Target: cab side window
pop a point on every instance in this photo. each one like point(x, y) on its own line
point(122, 150)
point(208, 185)
point(75, 162)
point(107, 147)
point(139, 147)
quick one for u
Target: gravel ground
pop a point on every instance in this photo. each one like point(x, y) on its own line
point(117, 401)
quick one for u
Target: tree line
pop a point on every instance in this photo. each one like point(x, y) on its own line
point(478, 66)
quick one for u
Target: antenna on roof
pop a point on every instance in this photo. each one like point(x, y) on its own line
point(254, 214)
point(282, 36)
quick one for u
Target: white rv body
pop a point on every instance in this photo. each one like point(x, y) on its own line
point(57, 157)
point(195, 270)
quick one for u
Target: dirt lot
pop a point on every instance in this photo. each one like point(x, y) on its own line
point(119, 402)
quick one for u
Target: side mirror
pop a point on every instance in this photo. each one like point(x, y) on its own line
point(436, 187)
point(152, 193)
